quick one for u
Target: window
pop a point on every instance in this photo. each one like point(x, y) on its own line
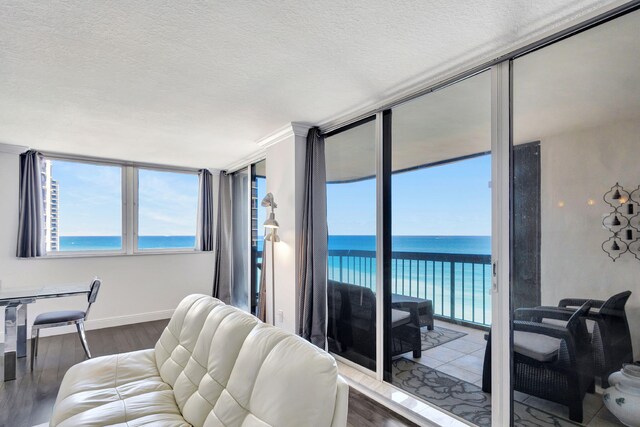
point(90, 209)
point(82, 206)
point(167, 210)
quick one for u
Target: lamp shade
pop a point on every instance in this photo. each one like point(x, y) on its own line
point(271, 221)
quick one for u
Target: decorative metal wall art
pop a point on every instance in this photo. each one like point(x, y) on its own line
point(623, 222)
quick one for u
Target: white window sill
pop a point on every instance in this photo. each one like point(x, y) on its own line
point(102, 254)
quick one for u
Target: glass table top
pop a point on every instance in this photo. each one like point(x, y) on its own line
point(8, 295)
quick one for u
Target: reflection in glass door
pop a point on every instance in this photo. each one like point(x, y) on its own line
point(440, 281)
point(576, 312)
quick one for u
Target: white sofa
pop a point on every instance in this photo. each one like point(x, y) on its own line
point(214, 365)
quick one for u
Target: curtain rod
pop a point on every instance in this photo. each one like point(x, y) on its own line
point(332, 129)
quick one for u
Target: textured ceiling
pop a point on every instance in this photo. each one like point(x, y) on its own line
point(197, 83)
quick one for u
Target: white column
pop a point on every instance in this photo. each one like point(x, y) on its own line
point(285, 178)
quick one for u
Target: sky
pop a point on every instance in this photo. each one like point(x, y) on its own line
point(453, 199)
point(90, 201)
point(448, 200)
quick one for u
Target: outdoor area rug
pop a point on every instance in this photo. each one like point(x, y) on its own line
point(461, 398)
point(438, 336)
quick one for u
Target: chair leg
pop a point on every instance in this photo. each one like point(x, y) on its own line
point(83, 338)
point(34, 341)
point(37, 341)
point(575, 411)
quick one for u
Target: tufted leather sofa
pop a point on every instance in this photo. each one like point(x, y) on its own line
point(214, 365)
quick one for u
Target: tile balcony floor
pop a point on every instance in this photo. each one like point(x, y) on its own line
point(463, 358)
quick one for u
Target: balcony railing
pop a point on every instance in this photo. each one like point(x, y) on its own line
point(458, 285)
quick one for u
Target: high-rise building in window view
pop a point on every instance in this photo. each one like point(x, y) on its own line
point(50, 196)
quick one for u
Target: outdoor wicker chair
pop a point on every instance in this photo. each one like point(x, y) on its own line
point(352, 325)
point(610, 336)
point(550, 361)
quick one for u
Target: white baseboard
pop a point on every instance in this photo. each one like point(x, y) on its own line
point(109, 322)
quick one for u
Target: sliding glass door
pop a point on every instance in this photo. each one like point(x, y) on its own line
point(440, 281)
point(576, 228)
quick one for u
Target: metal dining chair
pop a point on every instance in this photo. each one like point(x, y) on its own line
point(54, 319)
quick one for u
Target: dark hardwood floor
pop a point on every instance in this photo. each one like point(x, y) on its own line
point(29, 399)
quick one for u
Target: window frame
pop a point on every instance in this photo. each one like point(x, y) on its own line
point(129, 205)
point(124, 219)
point(136, 213)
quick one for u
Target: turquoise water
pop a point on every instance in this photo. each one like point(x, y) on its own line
point(436, 244)
point(114, 243)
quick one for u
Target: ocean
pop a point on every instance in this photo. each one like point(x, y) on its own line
point(435, 244)
point(114, 243)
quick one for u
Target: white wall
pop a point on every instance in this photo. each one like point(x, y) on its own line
point(578, 167)
point(285, 179)
point(135, 288)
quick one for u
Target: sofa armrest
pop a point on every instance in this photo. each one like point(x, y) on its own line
point(342, 404)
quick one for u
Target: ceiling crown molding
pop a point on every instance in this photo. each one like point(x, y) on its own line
point(12, 149)
point(287, 131)
point(246, 161)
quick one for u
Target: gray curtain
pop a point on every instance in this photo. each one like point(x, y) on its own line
point(241, 236)
point(31, 239)
point(223, 273)
point(204, 234)
point(312, 252)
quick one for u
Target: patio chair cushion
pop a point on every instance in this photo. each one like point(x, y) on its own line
point(542, 348)
point(399, 317)
point(58, 317)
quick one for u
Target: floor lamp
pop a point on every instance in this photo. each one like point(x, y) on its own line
point(272, 225)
